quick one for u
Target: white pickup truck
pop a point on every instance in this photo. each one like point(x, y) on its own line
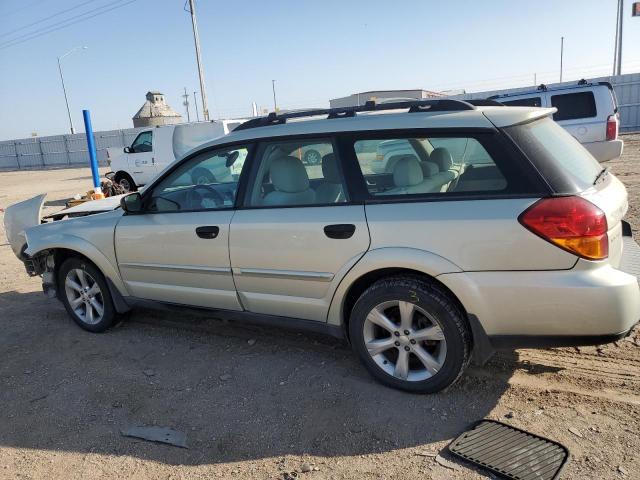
point(156, 148)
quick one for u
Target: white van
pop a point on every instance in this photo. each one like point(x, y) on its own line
point(588, 111)
point(156, 148)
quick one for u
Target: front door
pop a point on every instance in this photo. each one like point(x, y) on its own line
point(141, 160)
point(177, 251)
point(297, 235)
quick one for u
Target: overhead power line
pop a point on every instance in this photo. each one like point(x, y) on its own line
point(4, 34)
point(64, 23)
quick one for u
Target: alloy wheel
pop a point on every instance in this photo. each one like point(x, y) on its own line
point(405, 340)
point(84, 296)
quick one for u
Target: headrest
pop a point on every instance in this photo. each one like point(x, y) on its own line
point(330, 168)
point(289, 175)
point(407, 171)
point(429, 169)
point(442, 158)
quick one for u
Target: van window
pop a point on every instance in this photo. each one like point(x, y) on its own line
point(522, 102)
point(572, 106)
point(142, 143)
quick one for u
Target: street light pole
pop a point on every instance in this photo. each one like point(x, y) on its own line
point(619, 38)
point(196, 40)
point(273, 87)
point(64, 88)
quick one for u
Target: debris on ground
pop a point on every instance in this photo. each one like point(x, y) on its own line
point(305, 468)
point(446, 463)
point(575, 431)
point(157, 434)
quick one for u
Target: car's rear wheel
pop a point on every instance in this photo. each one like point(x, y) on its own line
point(85, 295)
point(126, 182)
point(410, 334)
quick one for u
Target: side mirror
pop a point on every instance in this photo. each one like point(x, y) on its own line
point(132, 203)
point(127, 150)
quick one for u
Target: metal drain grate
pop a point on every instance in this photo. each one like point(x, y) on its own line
point(510, 452)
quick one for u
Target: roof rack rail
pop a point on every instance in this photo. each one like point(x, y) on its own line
point(435, 105)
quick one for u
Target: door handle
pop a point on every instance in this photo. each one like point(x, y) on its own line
point(340, 231)
point(208, 232)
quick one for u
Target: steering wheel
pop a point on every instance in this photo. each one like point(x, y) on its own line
point(195, 198)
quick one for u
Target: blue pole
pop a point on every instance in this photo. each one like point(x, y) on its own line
point(91, 145)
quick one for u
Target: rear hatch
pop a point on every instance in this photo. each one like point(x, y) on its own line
point(570, 169)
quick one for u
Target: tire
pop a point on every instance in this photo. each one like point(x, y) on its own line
point(75, 277)
point(312, 157)
point(202, 176)
point(126, 182)
point(432, 312)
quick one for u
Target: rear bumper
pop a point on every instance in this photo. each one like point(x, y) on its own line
point(605, 151)
point(589, 304)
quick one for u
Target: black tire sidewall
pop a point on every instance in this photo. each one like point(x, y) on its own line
point(109, 315)
point(435, 303)
point(125, 176)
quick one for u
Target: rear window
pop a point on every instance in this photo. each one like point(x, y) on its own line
point(565, 163)
point(572, 106)
point(523, 102)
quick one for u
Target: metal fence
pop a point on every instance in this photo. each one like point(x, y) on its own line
point(60, 150)
point(627, 88)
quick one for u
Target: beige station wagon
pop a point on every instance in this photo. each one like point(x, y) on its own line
point(494, 228)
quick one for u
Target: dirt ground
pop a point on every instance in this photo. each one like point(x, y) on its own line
point(258, 403)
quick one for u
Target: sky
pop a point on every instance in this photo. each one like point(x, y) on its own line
point(314, 49)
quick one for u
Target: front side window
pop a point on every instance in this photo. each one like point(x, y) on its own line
point(430, 165)
point(572, 106)
point(296, 173)
point(143, 143)
point(208, 181)
point(523, 102)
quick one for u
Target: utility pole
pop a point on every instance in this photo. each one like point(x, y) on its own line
point(273, 87)
point(535, 79)
point(186, 104)
point(561, 55)
point(195, 102)
point(196, 40)
point(617, 70)
point(615, 48)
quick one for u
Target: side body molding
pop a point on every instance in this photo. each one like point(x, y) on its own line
point(90, 236)
point(387, 257)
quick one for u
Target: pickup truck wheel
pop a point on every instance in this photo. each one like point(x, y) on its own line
point(86, 296)
point(126, 182)
point(410, 335)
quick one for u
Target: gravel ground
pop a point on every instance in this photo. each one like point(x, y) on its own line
point(256, 403)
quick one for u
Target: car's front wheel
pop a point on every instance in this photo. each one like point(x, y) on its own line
point(410, 334)
point(85, 295)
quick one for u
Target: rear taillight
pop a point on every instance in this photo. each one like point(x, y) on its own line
point(572, 223)
point(612, 127)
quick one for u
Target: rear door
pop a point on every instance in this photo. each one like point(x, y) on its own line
point(298, 232)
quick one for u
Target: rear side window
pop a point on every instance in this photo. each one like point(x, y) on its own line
point(523, 102)
point(428, 165)
point(566, 164)
point(572, 106)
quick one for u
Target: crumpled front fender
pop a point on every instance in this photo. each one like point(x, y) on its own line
point(18, 218)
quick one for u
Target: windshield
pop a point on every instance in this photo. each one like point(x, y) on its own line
point(547, 144)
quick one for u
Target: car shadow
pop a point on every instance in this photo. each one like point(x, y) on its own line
point(238, 392)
